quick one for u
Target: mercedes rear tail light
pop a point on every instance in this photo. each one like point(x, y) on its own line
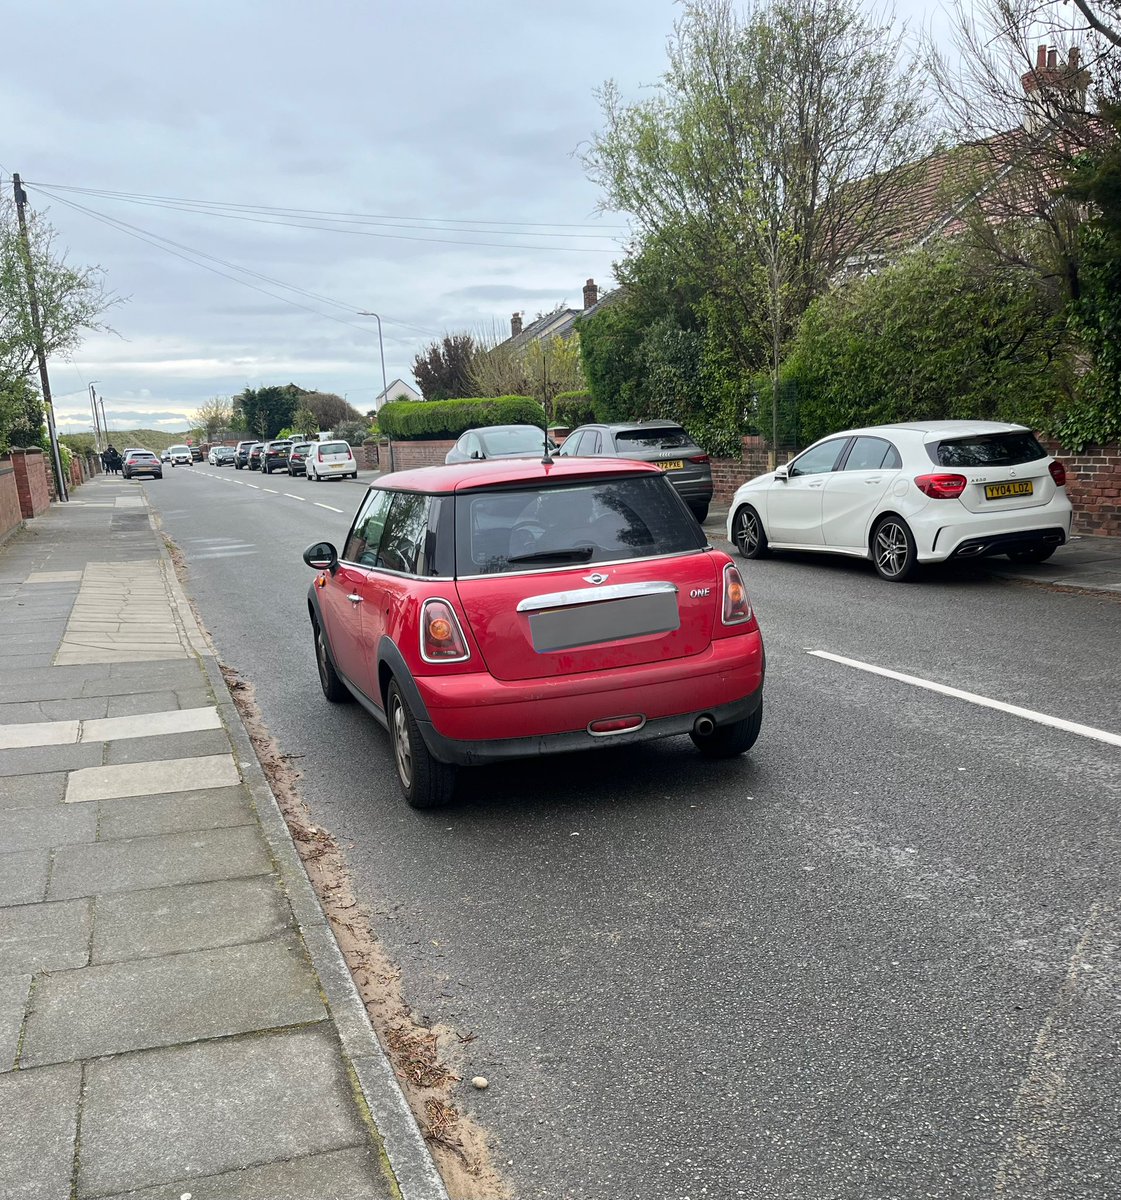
point(441, 638)
point(737, 607)
point(941, 487)
point(1058, 472)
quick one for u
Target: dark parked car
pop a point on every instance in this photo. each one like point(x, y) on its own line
point(297, 458)
point(253, 462)
point(196, 452)
point(499, 441)
point(141, 462)
point(241, 454)
point(517, 608)
point(662, 443)
point(274, 456)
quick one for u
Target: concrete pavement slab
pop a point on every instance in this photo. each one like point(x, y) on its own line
point(39, 1117)
point(49, 759)
point(174, 675)
point(143, 702)
point(194, 697)
point(206, 743)
point(27, 661)
point(177, 812)
point(23, 876)
point(163, 861)
point(20, 711)
point(167, 1001)
point(195, 916)
point(151, 1118)
point(14, 990)
point(354, 1174)
point(55, 577)
point(149, 778)
point(149, 725)
point(26, 791)
point(42, 826)
point(44, 937)
point(39, 733)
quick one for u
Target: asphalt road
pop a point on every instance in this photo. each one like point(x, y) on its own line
point(877, 958)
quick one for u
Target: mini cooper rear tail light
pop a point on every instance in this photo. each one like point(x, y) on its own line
point(941, 487)
point(616, 725)
point(737, 607)
point(441, 638)
point(1058, 473)
point(699, 458)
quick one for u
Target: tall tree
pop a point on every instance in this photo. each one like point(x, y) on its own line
point(443, 368)
point(265, 411)
point(212, 417)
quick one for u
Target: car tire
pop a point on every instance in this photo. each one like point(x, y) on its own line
point(425, 782)
point(748, 534)
point(730, 741)
point(333, 687)
point(1036, 555)
point(893, 549)
point(700, 511)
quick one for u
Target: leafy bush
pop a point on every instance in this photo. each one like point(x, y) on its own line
point(574, 408)
point(427, 420)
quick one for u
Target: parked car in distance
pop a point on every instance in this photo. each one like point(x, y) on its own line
point(510, 609)
point(241, 454)
point(500, 441)
point(662, 443)
point(253, 462)
point(330, 460)
point(916, 492)
point(297, 457)
point(165, 456)
point(274, 455)
point(220, 456)
point(180, 455)
point(196, 452)
point(141, 462)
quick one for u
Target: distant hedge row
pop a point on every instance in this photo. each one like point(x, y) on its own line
point(420, 420)
point(574, 408)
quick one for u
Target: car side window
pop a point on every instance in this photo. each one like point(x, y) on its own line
point(818, 460)
point(403, 533)
point(871, 454)
point(365, 534)
point(593, 442)
point(472, 446)
point(571, 446)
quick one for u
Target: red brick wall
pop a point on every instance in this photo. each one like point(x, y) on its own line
point(1094, 487)
point(729, 473)
point(367, 455)
point(407, 455)
point(11, 515)
point(31, 481)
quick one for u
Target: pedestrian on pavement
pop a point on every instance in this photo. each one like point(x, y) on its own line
point(114, 456)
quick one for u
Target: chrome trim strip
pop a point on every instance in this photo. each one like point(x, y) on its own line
point(606, 733)
point(593, 595)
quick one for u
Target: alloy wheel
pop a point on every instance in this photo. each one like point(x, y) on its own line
point(892, 550)
point(402, 748)
point(747, 532)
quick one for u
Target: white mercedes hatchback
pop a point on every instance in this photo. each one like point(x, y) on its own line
point(920, 492)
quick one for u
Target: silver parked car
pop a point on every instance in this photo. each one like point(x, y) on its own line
point(662, 443)
point(500, 441)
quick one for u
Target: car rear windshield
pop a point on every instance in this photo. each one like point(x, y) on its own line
point(333, 448)
point(514, 441)
point(601, 520)
point(142, 456)
point(653, 439)
point(987, 450)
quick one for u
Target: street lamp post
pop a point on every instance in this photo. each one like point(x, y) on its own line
point(96, 420)
point(384, 382)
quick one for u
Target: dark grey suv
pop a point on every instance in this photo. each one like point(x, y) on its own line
point(274, 457)
point(663, 443)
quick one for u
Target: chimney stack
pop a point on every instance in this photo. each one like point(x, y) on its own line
point(515, 324)
point(591, 293)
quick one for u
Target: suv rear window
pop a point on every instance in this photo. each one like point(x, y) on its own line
point(602, 520)
point(987, 450)
point(653, 439)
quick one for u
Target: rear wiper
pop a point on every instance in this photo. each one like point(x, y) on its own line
point(576, 554)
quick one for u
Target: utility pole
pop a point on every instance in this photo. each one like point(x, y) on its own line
point(37, 329)
point(96, 420)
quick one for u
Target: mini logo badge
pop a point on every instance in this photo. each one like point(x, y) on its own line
point(596, 578)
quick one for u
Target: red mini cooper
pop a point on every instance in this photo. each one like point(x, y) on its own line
point(489, 611)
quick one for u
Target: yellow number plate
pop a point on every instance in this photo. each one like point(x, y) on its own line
point(1001, 491)
point(675, 465)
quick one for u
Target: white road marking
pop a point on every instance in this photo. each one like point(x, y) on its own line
point(271, 491)
point(1087, 731)
point(254, 486)
point(291, 497)
point(318, 505)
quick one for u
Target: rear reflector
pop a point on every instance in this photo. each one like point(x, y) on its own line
point(441, 638)
point(616, 724)
point(1058, 473)
point(941, 487)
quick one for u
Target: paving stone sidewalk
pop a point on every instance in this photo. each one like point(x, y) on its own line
point(176, 1018)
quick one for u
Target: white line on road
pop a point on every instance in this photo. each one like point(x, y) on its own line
point(318, 505)
point(253, 486)
point(271, 491)
point(291, 497)
point(1087, 731)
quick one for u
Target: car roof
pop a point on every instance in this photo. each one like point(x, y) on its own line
point(631, 426)
point(508, 472)
point(931, 428)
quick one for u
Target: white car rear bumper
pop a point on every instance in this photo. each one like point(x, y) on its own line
point(945, 529)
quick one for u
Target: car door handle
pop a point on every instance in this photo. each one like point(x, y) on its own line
point(876, 480)
point(354, 598)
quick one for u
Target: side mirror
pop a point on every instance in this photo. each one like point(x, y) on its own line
point(322, 557)
point(476, 454)
point(781, 473)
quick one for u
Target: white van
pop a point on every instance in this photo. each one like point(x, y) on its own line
point(331, 460)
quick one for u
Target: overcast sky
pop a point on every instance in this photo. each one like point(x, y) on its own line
point(467, 112)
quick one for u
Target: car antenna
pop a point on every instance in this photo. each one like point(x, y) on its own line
point(546, 459)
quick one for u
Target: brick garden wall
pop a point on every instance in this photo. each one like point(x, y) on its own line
point(729, 473)
point(1094, 487)
point(407, 455)
point(11, 515)
point(32, 482)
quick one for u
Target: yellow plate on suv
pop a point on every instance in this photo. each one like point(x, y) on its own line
point(1001, 491)
point(675, 465)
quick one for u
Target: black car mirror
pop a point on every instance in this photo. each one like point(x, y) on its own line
point(322, 557)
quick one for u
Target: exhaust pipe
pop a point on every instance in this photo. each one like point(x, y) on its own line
point(704, 725)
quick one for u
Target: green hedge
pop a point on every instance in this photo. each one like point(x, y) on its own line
point(423, 420)
point(574, 408)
